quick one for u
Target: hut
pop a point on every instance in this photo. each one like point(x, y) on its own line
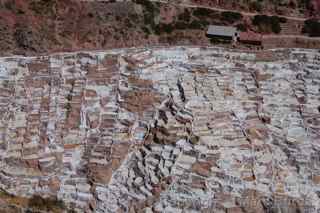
point(223, 32)
point(250, 38)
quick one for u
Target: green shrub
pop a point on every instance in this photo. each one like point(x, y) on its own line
point(167, 28)
point(230, 16)
point(145, 30)
point(241, 27)
point(275, 25)
point(255, 6)
point(304, 3)
point(181, 25)
point(216, 40)
point(9, 5)
point(202, 12)
point(197, 25)
point(43, 7)
point(128, 23)
point(163, 28)
point(150, 11)
point(267, 23)
point(311, 27)
point(148, 5)
point(148, 19)
point(23, 37)
point(283, 19)
point(185, 16)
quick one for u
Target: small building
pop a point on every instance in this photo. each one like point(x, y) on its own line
point(250, 38)
point(224, 32)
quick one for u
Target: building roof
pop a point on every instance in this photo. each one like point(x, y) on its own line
point(250, 36)
point(221, 30)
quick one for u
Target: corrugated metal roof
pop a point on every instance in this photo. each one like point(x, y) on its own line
point(221, 30)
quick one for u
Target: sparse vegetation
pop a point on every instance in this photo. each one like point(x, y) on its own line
point(43, 7)
point(184, 21)
point(194, 19)
point(45, 204)
point(34, 204)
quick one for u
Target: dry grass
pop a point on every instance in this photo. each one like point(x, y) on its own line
point(35, 203)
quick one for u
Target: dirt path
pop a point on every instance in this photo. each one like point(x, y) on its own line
point(292, 36)
point(224, 10)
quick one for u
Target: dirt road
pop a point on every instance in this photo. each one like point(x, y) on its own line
point(223, 10)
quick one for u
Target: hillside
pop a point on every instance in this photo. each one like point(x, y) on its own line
point(46, 26)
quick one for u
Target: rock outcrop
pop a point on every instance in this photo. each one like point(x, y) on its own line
point(163, 130)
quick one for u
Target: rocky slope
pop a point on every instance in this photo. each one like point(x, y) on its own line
point(31, 27)
point(161, 130)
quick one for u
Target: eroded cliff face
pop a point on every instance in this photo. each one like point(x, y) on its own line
point(163, 129)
